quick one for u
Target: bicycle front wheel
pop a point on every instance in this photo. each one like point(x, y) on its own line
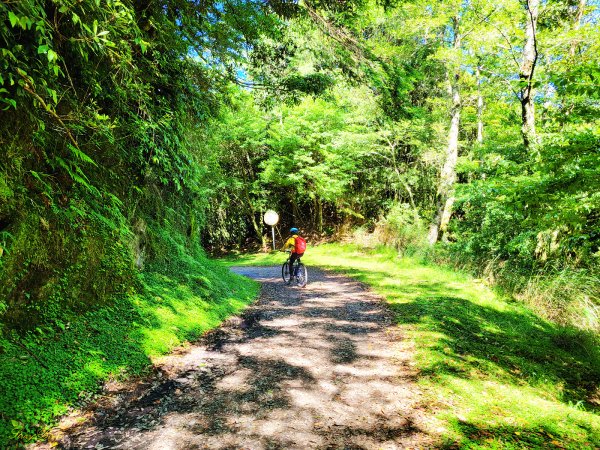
point(301, 275)
point(285, 271)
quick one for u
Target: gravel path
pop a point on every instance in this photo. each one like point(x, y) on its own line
point(320, 367)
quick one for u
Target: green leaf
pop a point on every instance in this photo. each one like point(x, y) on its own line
point(24, 22)
point(10, 102)
point(52, 55)
point(36, 175)
point(81, 155)
point(14, 19)
point(42, 49)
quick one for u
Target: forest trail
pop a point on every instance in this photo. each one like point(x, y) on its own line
point(320, 367)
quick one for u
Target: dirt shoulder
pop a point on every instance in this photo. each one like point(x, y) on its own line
point(319, 367)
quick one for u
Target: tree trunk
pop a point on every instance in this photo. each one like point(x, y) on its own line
point(576, 24)
point(320, 215)
point(530, 55)
point(445, 194)
point(480, 119)
point(255, 224)
point(296, 216)
point(479, 106)
point(259, 232)
point(392, 148)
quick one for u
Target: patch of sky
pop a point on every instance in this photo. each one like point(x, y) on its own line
point(592, 15)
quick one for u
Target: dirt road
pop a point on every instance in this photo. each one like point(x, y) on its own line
point(321, 367)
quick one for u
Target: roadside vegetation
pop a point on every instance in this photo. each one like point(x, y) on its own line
point(496, 374)
point(48, 371)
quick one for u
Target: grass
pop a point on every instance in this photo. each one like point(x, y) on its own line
point(497, 375)
point(62, 365)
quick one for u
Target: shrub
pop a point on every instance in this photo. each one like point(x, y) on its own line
point(402, 228)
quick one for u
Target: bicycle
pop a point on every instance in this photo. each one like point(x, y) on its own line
point(299, 269)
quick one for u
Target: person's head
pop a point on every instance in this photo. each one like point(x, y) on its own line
point(294, 230)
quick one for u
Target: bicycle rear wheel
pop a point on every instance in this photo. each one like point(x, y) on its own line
point(285, 271)
point(301, 275)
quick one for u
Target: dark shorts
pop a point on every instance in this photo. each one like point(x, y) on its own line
point(293, 258)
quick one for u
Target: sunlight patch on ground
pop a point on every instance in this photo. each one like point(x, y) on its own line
point(491, 366)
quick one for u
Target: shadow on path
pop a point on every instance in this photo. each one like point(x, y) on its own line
point(320, 367)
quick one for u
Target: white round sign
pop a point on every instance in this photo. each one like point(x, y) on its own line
point(271, 217)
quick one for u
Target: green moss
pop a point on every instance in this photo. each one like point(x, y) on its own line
point(5, 191)
point(53, 270)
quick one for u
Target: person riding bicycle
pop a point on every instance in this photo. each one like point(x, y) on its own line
point(297, 246)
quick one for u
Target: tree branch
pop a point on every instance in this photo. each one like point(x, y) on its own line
point(480, 22)
point(30, 354)
point(511, 48)
point(340, 36)
point(29, 88)
point(495, 75)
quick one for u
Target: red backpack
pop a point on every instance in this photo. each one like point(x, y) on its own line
point(300, 246)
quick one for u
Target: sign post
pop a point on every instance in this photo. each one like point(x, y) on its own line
point(271, 218)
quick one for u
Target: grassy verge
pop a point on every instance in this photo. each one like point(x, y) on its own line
point(61, 365)
point(498, 375)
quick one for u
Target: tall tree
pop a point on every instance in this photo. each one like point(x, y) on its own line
point(479, 104)
point(527, 70)
point(445, 198)
point(576, 24)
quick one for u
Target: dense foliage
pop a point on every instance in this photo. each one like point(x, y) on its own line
point(98, 181)
point(98, 99)
point(435, 140)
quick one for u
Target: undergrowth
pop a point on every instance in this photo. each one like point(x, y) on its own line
point(558, 290)
point(569, 296)
point(58, 366)
point(496, 374)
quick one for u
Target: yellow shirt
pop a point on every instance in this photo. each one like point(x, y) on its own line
point(290, 243)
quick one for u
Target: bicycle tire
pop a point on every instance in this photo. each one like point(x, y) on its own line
point(301, 275)
point(285, 271)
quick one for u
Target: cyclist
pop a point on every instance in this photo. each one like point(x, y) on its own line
point(297, 245)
